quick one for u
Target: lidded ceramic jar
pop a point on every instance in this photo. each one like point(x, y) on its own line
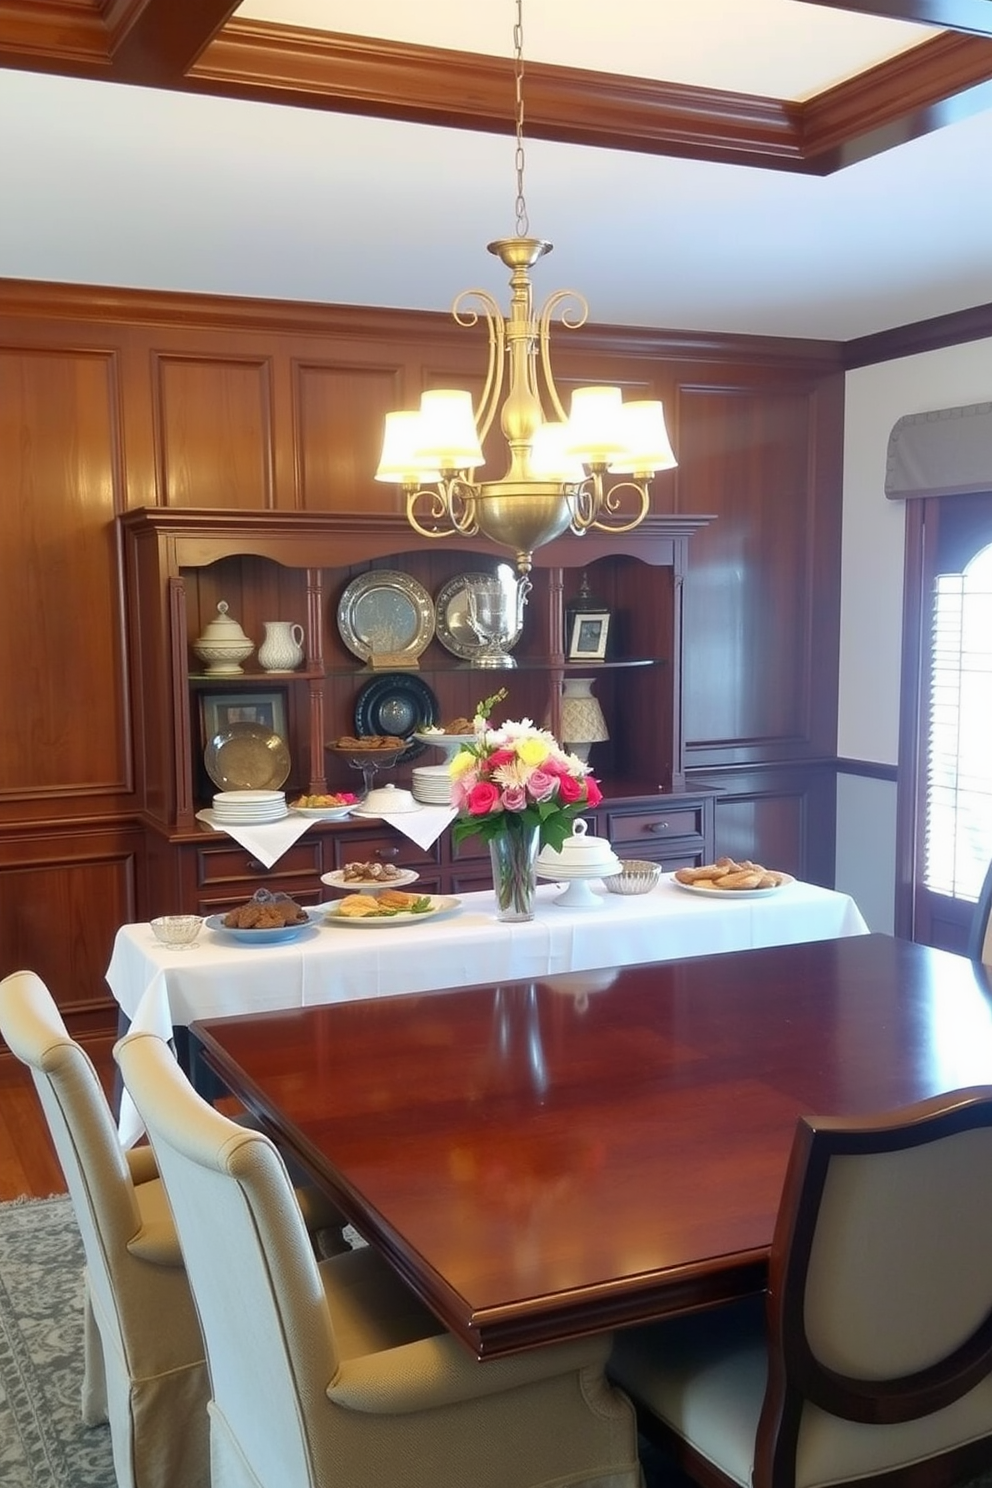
point(223, 646)
point(583, 855)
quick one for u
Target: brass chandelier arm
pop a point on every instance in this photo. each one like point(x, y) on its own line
point(450, 509)
point(571, 321)
point(466, 311)
point(607, 503)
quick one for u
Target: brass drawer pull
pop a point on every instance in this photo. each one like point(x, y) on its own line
point(387, 852)
point(658, 826)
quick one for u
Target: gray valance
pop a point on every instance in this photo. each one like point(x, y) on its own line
point(947, 452)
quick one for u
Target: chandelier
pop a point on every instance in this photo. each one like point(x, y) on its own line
point(562, 466)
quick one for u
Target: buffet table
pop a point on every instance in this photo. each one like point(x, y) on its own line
point(342, 963)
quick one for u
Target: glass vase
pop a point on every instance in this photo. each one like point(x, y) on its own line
point(514, 857)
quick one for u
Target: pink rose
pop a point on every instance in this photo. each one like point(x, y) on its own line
point(542, 784)
point(498, 757)
point(515, 798)
point(483, 798)
point(593, 793)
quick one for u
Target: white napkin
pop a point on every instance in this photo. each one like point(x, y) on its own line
point(423, 826)
point(266, 841)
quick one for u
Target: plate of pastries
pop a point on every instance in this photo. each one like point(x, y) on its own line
point(389, 907)
point(265, 919)
point(744, 879)
point(369, 877)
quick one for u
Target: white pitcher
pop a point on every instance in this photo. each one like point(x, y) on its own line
point(282, 649)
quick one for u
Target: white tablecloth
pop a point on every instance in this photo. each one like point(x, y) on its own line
point(159, 988)
point(339, 963)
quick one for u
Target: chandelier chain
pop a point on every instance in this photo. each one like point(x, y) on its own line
point(523, 223)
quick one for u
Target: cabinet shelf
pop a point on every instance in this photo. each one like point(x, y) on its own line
point(296, 566)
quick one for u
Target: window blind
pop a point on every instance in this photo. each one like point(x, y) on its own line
point(958, 834)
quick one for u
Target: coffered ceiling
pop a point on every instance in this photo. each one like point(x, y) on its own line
point(806, 169)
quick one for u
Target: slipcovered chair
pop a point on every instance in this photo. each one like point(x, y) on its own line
point(144, 1361)
point(980, 939)
point(871, 1357)
point(335, 1374)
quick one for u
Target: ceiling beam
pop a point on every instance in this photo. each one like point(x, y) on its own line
point(972, 16)
point(155, 42)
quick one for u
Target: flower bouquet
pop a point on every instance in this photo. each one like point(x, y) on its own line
point(516, 788)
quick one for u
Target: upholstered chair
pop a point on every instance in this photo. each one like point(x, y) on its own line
point(144, 1362)
point(980, 938)
point(871, 1356)
point(333, 1372)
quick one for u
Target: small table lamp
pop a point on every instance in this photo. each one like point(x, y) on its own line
point(582, 721)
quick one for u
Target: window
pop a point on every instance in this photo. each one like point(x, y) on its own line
point(958, 828)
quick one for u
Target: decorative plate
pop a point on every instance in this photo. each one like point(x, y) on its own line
point(441, 904)
point(451, 618)
point(734, 893)
point(337, 880)
point(396, 703)
point(247, 756)
point(275, 936)
point(385, 612)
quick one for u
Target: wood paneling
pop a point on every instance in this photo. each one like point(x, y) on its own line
point(63, 893)
point(215, 431)
point(339, 413)
point(61, 642)
point(111, 400)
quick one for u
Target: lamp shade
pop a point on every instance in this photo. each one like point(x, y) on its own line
point(401, 460)
point(447, 430)
point(594, 425)
point(550, 458)
point(647, 447)
point(582, 721)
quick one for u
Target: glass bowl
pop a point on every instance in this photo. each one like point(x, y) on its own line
point(637, 876)
point(177, 931)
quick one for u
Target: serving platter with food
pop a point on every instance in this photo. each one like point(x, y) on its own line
point(390, 907)
point(329, 807)
point(726, 876)
point(369, 877)
point(266, 919)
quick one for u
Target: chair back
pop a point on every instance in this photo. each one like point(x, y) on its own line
point(82, 1129)
point(145, 1366)
point(261, 1301)
point(880, 1288)
point(980, 938)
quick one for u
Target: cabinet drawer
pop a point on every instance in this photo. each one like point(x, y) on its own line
point(658, 825)
point(383, 847)
point(230, 864)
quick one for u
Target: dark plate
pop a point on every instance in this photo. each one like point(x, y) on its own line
point(396, 703)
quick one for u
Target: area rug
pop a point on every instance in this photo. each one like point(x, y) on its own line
point(43, 1442)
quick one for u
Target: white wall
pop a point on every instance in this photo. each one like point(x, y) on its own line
point(871, 601)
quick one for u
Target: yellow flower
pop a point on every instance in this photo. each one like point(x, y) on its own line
point(533, 752)
point(462, 761)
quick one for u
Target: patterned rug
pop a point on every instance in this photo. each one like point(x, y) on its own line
point(43, 1443)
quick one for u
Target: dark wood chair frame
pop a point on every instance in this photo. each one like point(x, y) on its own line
point(795, 1377)
point(980, 921)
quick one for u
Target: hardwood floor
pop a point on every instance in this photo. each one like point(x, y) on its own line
point(28, 1165)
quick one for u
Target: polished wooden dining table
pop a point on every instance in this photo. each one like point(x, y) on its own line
point(549, 1158)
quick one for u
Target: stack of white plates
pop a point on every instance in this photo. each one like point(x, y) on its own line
point(244, 807)
point(432, 785)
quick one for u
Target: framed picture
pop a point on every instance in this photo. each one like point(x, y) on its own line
point(219, 710)
point(588, 635)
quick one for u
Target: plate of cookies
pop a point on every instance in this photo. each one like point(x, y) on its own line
point(390, 907)
point(745, 880)
point(370, 877)
point(266, 919)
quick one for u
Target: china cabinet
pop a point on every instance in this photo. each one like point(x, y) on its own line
point(294, 568)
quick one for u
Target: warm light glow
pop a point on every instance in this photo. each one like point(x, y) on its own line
point(448, 436)
point(645, 437)
point(549, 455)
point(594, 426)
point(401, 460)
